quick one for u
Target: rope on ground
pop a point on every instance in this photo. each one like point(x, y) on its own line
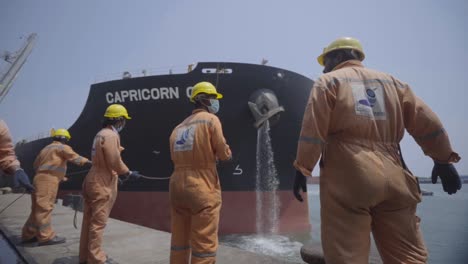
point(10, 204)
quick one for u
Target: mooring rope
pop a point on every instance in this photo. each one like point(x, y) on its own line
point(155, 178)
point(10, 204)
point(142, 176)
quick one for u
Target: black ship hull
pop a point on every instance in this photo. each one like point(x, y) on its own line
point(157, 104)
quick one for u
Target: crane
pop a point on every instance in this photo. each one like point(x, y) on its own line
point(16, 61)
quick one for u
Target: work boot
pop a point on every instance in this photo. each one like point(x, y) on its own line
point(55, 240)
point(29, 241)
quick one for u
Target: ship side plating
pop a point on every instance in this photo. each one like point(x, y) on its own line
point(157, 104)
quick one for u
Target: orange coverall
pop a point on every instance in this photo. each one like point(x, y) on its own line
point(99, 193)
point(355, 119)
point(8, 161)
point(194, 190)
point(50, 166)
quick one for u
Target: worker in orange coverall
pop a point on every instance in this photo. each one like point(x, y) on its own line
point(354, 120)
point(9, 164)
point(100, 185)
point(194, 191)
point(50, 166)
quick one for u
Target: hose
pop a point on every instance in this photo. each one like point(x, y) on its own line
point(142, 176)
point(77, 172)
point(74, 218)
point(155, 178)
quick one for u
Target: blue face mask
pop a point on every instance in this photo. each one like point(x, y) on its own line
point(214, 107)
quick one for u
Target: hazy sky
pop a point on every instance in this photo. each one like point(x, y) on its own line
point(80, 42)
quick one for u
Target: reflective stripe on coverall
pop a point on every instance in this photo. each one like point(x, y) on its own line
point(99, 193)
point(50, 166)
point(355, 119)
point(8, 161)
point(194, 189)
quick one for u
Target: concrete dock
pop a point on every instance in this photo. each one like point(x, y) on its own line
point(123, 242)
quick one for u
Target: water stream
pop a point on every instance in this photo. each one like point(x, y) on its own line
point(266, 240)
point(266, 185)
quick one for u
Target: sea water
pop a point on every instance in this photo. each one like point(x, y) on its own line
point(444, 224)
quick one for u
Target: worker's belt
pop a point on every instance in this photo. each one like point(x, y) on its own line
point(381, 146)
point(52, 168)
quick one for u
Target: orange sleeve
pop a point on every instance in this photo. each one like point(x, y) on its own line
point(314, 130)
point(111, 151)
point(222, 150)
point(425, 127)
point(8, 161)
point(71, 156)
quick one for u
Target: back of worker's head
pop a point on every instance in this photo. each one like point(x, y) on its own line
point(116, 122)
point(115, 116)
point(334, 58)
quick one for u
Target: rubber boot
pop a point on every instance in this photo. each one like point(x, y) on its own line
point(55, 240)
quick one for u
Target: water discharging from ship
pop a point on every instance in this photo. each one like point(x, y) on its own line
point(266, 240)
point(266, 185)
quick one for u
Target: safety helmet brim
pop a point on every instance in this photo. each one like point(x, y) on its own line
point(218, 96)
point(116, 111)
point(204, 88)
point(342, 43)
point(61, 132)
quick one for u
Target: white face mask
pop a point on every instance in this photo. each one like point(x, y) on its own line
point(214, 107)
point(119, 127)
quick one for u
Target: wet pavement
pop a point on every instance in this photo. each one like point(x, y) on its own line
point(123, 242)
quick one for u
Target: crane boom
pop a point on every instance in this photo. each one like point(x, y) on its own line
point(16, 62)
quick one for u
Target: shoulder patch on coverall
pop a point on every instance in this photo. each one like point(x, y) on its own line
point(369, 100)
point(93, 148)
point(184, 138)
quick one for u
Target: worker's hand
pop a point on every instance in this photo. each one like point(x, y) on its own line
point(300, 182)
point(448, 175)
point(134, 175)
point(130, 175)
point(123, 178)
point(22, 179)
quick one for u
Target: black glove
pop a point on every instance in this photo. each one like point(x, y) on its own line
point(448, 175)
point(134, 175)
point(300, 182)
point(22, 179)
point(130, 175)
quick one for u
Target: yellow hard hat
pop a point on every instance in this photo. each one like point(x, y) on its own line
point(115, 111)
point(342, 43)
point(204, 87)
point(61, 132)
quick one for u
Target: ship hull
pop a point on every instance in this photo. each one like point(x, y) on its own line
point(157, 104)
point(238, 212)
